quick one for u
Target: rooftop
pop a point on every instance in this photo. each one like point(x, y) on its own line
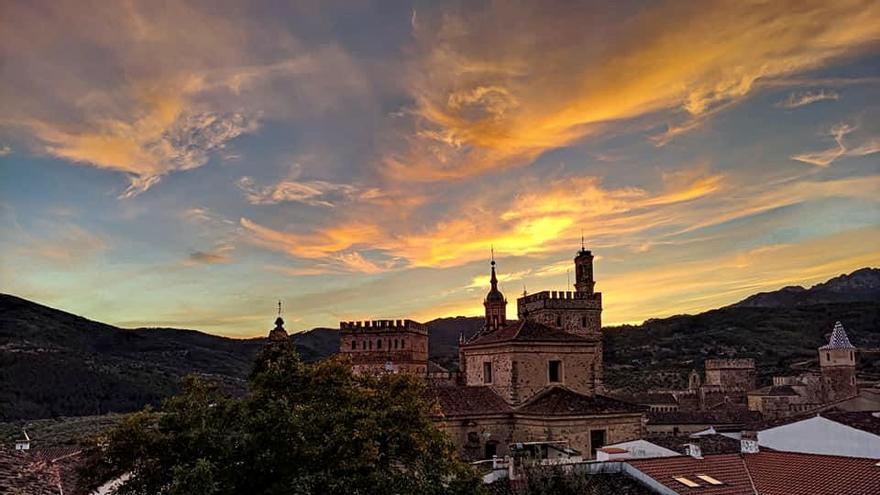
point(718, 417)
point(838, 339)
point(527, 330)
point(709, 444)
point(559, 400)
point(767, 473)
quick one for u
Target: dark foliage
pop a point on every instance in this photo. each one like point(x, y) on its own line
point(304, 429)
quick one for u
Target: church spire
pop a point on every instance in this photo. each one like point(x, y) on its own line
point(495, 304)
point(278, 333)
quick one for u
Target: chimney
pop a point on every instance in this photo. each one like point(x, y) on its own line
point(749, 442)
point(693, 450)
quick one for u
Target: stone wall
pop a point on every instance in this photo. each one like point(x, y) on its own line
point(519, 371)
point(470, 435)
point(575, 312)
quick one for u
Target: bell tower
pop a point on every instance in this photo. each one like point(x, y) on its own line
point(495, 303)
point(837, 360)
point(583, 269)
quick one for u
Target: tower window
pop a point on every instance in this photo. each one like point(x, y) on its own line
point(827, 356)
point(584, 321)
point(558, 321)
point(354, 345)
point(487, 372)
point(555, 371)
point(371, 345)
point(364, 345)
point(379, 344)
point(852, 356)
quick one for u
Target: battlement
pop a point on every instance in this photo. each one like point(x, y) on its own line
point(553, 295)
point(730, 364)
point(383, 326)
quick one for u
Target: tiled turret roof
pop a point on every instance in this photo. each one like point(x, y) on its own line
point(838, 339)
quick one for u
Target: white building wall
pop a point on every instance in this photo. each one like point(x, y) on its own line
point(641, 449)
point(821, 436)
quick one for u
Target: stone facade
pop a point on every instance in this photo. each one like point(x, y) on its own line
point(539, 378)
point(382, 346)
point(731, 373)
point(519, 371)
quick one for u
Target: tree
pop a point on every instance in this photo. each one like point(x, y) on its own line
point(304, 429)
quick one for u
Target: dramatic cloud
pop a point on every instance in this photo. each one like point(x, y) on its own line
point(497, 86)
point(175, 84)
point(803, 98)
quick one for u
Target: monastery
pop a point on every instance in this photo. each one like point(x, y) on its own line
point(536, 378)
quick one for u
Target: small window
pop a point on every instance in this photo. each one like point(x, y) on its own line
point(827, 356)
point(487, 372)
point(852, 380)
point(379, 344)
point(364, 345)
point(555, 371)
point(371, 345)
point(354, 345)
point(709, 479)
point(584, 321)
point(852, 356)
point(686, 482)
point(558, 321)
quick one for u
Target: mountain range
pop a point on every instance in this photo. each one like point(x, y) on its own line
point(54, 363)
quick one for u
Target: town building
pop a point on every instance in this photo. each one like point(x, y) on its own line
point(379, 346)
point(537, 378)
point(834, 382)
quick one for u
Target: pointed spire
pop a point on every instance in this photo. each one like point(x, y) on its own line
point(494, 294)
point(839, 339)
point(278, 332)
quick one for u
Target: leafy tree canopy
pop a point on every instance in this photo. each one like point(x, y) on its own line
point(303, 429)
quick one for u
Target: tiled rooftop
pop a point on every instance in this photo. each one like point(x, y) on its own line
point(468, 400)
point(709, 444)
point(563, 401)
point(526, 331)
point(838, 339)
point(719, 417)
point(766, 473)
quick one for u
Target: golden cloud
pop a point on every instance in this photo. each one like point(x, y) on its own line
point(494, 88)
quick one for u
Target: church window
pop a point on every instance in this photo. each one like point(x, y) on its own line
point(379, 344)
point(827, 356)
point(487, 372)
point(555, 371)
point(852, 356)
point(584, 321)
point(558, 321)
point(852, 380)
point(371, 345)
point(364, 345)
point(354, 345)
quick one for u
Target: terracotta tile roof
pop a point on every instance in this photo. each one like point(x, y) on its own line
point(526, 331)
point(863, 420)
point(563, 401)
point(766, 473)
point(709, 444)
point(468, 400)
point(719, 417)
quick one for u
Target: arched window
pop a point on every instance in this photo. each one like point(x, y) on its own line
point(371, 345)
point(354, 345)
point(364, 345)
point(558, 321)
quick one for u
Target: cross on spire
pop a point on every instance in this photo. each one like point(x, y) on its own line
point(279, 307)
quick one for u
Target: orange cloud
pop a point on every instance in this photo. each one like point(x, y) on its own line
point(491, 97)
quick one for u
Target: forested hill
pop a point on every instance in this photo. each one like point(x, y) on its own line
point(54, 363)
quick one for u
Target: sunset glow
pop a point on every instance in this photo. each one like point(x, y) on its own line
point(188, 164)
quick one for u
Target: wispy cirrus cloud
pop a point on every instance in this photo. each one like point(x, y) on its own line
point(490, 98)
point(308, 192)
point(826, 157)
point(220, 255)
point(804, 98)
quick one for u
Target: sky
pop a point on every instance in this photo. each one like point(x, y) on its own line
point(189, 164)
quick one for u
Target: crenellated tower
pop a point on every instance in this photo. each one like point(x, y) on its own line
point(578, 312)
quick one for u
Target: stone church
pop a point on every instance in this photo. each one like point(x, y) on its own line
point(534, 379)
point(537, 378)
